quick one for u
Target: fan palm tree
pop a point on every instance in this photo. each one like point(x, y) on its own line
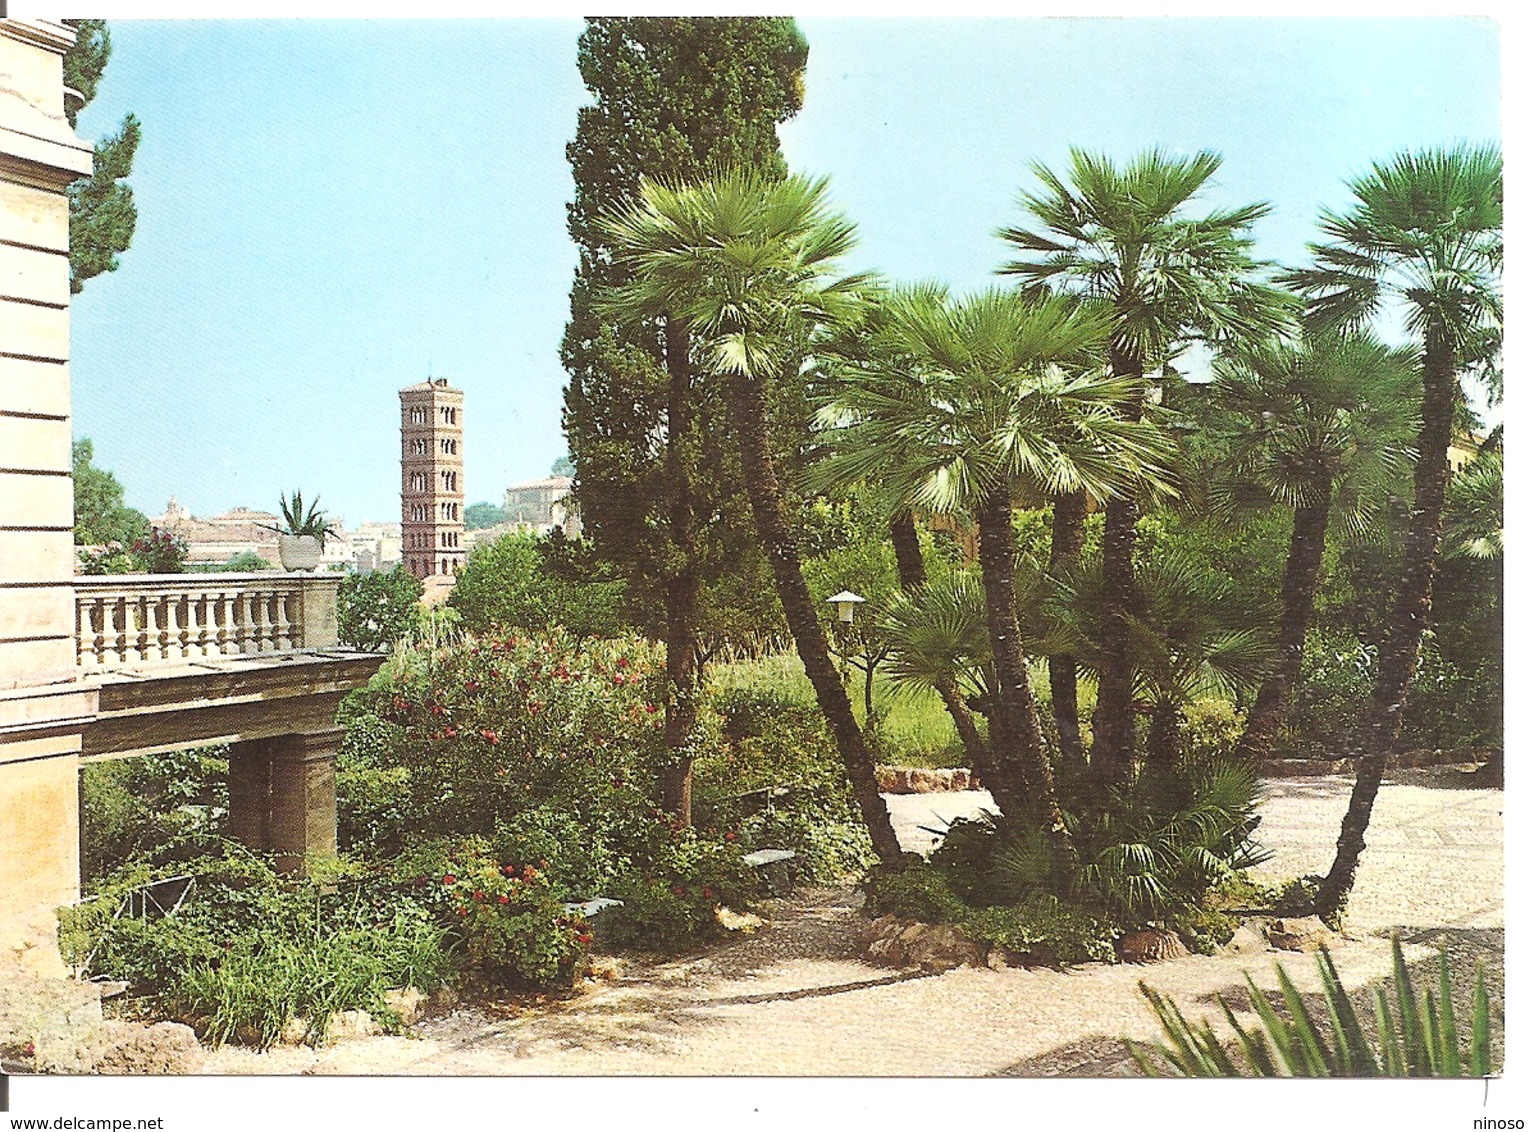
point(1320, 426)
point(1120, 236)
point(742, 260)
point(1473, 523)
point(1005, 400)
point(1425, 231)
point(852, 349)
point(1186, 642)
point(939, 638)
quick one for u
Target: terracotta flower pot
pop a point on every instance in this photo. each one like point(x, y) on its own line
point(299, 552)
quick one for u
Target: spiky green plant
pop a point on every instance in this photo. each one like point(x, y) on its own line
point(296, 521)
point(1419, 1039)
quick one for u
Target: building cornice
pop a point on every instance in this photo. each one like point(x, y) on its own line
point(54, 35)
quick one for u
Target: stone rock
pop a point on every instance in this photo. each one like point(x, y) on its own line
point(996, 959)
point(443, 997)
point(887, 951)
point(942, 947)
point(349, 1025)
point(1150, 946)
point(293, 1032)
point(1246, 940)
point(912, 932)
point(607, 968)
point(159, 1048)
point(406, 1003)
point(1302, 933)
point(737, 921)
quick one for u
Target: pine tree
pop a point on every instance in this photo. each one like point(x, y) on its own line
point(660, 492)
point(102, 215)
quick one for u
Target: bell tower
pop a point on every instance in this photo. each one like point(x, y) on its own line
point(431, 479)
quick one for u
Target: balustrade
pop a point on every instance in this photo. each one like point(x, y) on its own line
point(129, 620)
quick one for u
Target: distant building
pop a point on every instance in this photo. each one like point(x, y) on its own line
point(431, 481)
point(542, 505)
point(379, 542)
point(216, 540)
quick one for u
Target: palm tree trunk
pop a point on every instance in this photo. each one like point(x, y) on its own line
point(1113, 738)
point(1302, 573)
point(1016, 739)
point(682, 584)
point(1403, 637)
point(1067, 535)
point(908, 560)
point(1164, 744)
point(782, 550)
point(913, 576)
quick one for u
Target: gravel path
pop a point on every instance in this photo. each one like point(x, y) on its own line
point(794, 998)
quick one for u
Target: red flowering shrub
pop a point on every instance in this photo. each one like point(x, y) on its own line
point(506, 917)
point(549, 752)
point(494, 727)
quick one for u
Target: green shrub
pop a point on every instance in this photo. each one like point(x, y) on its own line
point(1204, 930)
point(827, 849)
point(1332, 698)
point(488, 728)
point(155, 810)
point(670, 902)
point(376, 609)
point(1211, 729)
point(523, 582)
point(919, 892)
point(247, 950)
point(775, 780)
point(1042, 923)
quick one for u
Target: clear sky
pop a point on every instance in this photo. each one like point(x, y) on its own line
point(329, 210)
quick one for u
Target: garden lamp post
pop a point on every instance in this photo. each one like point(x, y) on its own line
point(845, 603)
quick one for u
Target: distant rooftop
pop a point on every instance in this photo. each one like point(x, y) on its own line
point(439, 384)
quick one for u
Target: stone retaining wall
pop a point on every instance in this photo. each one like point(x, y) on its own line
point(928, 780)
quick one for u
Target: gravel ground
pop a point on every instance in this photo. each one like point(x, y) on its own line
point(794, 998)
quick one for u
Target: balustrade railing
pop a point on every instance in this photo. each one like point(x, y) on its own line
point(128, 620)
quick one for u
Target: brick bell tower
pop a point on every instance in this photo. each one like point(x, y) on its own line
point(431, 481)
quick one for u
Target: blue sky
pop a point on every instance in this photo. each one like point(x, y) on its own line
point(328, 208)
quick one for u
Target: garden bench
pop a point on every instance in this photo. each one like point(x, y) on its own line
point(762, 861)
point(590, 908)
point(767, 857)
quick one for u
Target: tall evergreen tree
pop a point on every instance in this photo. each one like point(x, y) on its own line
point(102, 215)
point(660, 494)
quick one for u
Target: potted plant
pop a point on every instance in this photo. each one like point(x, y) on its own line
point(301, 538)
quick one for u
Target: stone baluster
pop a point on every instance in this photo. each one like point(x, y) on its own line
point(120, 627)
point(165, 620)
point(223, 619)
point(283, 637)
point(199, 621)
point(250, 635)
point(181, 637)
point(148, 627)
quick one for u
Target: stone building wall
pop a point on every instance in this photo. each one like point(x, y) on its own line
point(40, 697)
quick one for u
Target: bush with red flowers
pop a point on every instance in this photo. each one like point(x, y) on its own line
point(506, 916)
